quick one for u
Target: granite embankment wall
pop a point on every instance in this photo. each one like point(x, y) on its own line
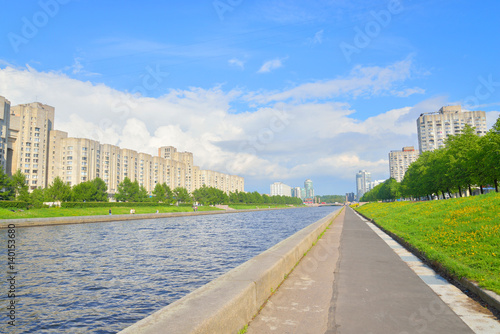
point(229, 302)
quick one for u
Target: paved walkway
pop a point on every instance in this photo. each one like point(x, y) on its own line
point(353, 281)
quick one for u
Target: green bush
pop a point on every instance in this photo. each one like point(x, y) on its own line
point(13, 204)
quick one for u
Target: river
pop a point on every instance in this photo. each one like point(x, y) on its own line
point(103, 277)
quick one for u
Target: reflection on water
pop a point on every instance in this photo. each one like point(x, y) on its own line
point(102, 277)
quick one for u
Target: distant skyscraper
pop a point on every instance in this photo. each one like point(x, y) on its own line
point(308, 185)
point(363, 179)
point(350, 197)
point(399, 161)
point(280, 189)
point(296, 192)
point(433, 128)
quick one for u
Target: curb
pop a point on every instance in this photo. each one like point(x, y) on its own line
point(488, 297)
point(228, 303)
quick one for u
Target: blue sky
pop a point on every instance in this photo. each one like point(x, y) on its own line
point(270, 90)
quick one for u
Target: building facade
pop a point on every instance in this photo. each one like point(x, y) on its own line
point(308, 185)
point(4, 131)
point(30, 126)
point(43, 154)
point(399, 161)
point(280, 189)
point(363, 180)
point(433, 128)
point(296, 192)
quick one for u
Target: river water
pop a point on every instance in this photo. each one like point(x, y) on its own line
point(103, 277)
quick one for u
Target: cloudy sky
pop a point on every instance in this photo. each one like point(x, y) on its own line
point(276, 90)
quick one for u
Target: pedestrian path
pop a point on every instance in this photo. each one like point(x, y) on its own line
point(356, 280)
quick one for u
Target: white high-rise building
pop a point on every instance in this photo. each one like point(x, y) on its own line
point(30, 125)
point(363, 179)
point(280, 189)
point(399, 161)
point(433, 128)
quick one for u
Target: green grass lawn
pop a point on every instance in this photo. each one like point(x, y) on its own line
point(67, 212)
point(462, 234)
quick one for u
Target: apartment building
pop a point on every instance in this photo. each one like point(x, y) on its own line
point(29, 142)
point(363, 180)
point(280, 189)
point(30, 125)
point(399, 161)
point(77, 160)
point(433, 128)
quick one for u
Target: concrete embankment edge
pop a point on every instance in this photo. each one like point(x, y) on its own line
point(228, 303)
point(30, 222)
point(488, 297)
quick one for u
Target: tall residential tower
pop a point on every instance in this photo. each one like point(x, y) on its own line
point(433, 128)
point(363, 179)
point(399, 161)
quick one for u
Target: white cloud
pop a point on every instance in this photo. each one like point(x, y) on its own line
point(361, 81)
point(270, 65)
point(237, 62)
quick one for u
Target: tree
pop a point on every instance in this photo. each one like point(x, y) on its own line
point(58, 191)
point(181, 195)
point(127, 191)
point(6, 189)
point(101, 190)
point(159, 193)
point(162, 193)
point(37, 197)
point(488, 157)
point(20, 187)
point(461, 153)
point(90, 191)
point(142, 195)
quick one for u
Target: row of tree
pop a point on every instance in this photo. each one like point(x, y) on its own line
point(466, 160)
point(95, 190)
point(15, 188)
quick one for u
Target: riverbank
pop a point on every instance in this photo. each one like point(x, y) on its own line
point(30, 222)
point(459, 235)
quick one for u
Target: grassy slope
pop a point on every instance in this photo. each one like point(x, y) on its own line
point(462, 234)
point(60, 212)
